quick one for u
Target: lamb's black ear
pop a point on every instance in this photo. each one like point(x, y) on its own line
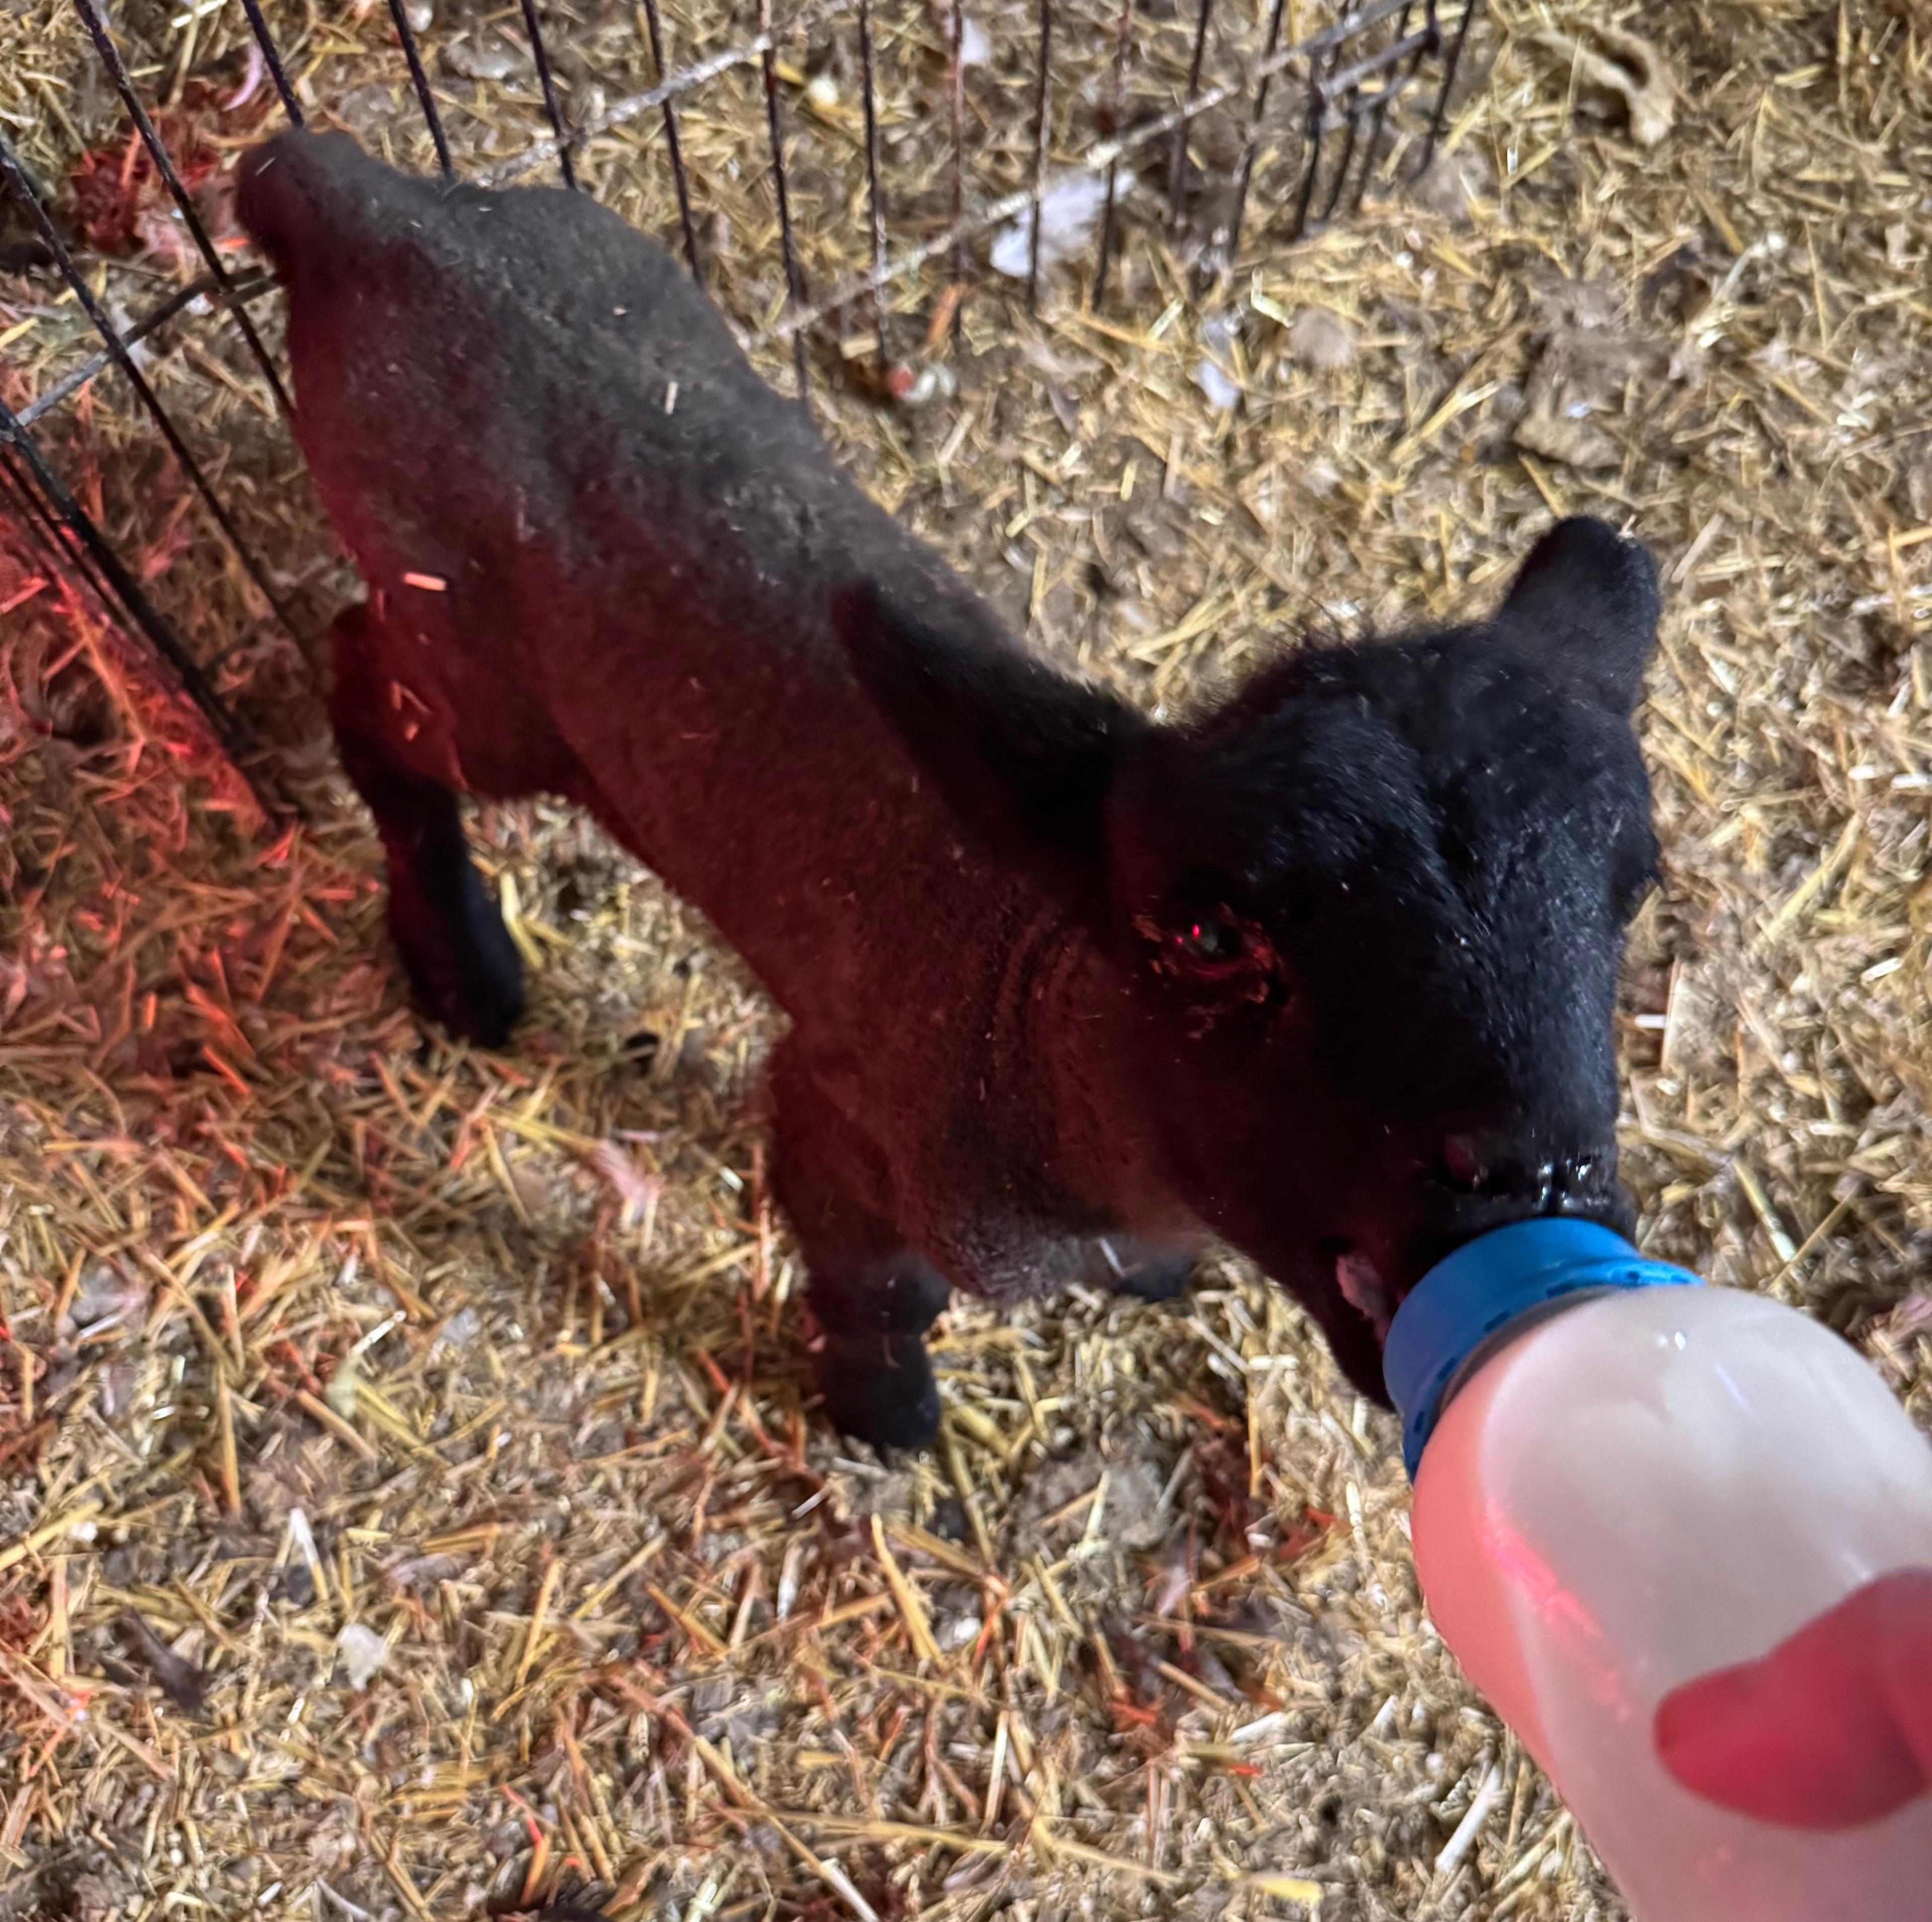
point(1025, 755)
point(1586, 600)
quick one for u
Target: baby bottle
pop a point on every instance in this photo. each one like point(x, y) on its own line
point(1681, 1537)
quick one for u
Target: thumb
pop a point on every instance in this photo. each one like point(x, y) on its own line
point(1832, 1729)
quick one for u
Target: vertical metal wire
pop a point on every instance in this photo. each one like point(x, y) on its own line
point(794, 287)
point(29, 196)
point(271, 56)
point(1176, 165)
point(63, 554)
point(163, 162)
point(874, 205)
point(1352, 112)
point(1313, 139)
point(656, 27)
point(959, 151)
point(72, 543)
point(104, 566)
point(1122, 33)
point(1252, 146)
point(1439, 118)
point(1391, 85)
point(552, 106)
point(419, 79)
point(1043, 115)
point(78, 377)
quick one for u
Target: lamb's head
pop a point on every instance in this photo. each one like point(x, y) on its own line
point(1372, 911)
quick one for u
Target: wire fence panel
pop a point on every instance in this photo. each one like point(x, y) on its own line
point(848, 164)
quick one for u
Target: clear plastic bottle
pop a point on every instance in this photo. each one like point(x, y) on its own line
point(1681, 1537)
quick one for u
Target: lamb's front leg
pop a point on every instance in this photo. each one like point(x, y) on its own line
point(871, 1298)
point(463, 968)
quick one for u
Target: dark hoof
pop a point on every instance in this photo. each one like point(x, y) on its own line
point(471, 984)
point(1161, 1278)
point(880, 1391)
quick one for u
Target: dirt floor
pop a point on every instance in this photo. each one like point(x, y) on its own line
point(407, 1502)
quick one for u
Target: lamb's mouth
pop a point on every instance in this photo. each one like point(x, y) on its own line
point(1365, 1291)
point(1360, 1281)
point(1365, 1282)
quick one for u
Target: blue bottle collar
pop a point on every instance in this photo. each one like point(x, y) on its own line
point(1480, 1289)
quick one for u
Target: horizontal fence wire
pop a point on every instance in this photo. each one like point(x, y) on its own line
point(191, 215)
point(249, 287)
point(1103, 159)
point(28, 194)
point(687, 79)
point(1351, 88)
point(1107, 155)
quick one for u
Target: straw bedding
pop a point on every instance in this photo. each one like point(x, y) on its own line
point(406, 1503)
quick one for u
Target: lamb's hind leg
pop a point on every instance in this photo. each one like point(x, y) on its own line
point(871, 1297)
point(462, 966)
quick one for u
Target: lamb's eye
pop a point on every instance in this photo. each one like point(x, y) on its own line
point(1213, 939)
point(1215, 953)
point(1220, 960)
